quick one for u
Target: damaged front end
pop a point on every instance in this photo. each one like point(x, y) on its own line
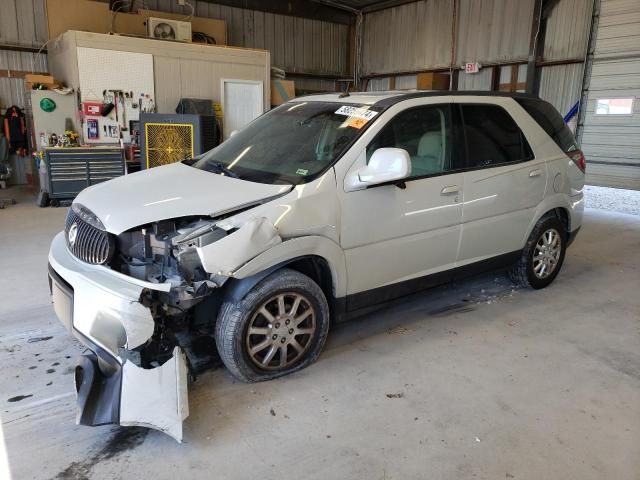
point(146, 310)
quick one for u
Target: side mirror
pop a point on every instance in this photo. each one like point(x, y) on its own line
point(386, 165)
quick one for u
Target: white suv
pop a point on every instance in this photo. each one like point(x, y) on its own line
point(317, 209)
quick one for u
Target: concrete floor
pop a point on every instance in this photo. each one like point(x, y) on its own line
point(470, 381)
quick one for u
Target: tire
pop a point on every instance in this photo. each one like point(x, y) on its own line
point(258, 356)
point(532, 272)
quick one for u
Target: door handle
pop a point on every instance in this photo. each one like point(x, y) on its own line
point(449, 190)
point(535, 173)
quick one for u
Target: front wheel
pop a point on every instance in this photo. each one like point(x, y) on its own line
point(543, 254)
point(278, 328)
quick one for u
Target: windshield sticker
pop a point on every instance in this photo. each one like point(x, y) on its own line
point(354, 122)
point(302, 171)
point(356, 112)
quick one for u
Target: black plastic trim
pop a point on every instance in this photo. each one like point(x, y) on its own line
point(390, 101)
point(572, 236)
point(98, 399)
point(381, 295)
point(64, 285)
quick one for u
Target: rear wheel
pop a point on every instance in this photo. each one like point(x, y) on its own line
point(278, 328)
point(543, 255)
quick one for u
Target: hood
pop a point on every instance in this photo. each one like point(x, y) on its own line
point(171, 191)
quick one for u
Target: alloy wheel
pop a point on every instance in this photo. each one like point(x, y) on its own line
point(546, 253)
point(280, 331)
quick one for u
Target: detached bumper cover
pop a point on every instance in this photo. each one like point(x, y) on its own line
point(102, 309)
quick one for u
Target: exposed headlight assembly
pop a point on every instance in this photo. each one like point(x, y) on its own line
point(87, 215)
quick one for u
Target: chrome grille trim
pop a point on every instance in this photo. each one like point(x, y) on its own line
point(91, 245)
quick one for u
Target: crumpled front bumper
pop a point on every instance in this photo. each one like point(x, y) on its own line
point(102, 309)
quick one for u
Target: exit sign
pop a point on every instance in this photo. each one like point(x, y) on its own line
point(473, 67)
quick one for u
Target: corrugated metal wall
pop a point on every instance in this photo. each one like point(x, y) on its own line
point(415, 36)
point(22, 22)
point(561, 85)
point(493, 31)
point(566, 38)
point(296, 44)
point(12, 89)
point(568, 30)
point(612, 142)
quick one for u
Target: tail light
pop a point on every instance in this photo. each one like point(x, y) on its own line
point(578, 158)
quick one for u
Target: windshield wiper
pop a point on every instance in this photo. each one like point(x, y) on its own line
point(222, 169)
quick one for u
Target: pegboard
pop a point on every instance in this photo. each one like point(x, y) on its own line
point(107, 70)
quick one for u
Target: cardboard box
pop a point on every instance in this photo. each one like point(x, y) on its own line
point(432, 81)
point(282, 91)
point(36, 78)
point(31, 79)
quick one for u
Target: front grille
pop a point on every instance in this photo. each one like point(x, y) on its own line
point(91, 244)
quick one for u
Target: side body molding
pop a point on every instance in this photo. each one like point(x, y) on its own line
point(300, 247)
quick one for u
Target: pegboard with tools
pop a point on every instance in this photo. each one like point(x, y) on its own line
point(115, 87)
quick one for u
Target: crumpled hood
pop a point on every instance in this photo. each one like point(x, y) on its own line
point(170, 191)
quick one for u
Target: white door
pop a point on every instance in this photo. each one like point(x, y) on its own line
point(242, 102)
point(503, 185)
point(396, 236)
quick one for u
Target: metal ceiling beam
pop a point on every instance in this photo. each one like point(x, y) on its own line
point(295, 8)
point(374, 7)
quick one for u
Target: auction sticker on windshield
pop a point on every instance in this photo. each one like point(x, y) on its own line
point(356, 112)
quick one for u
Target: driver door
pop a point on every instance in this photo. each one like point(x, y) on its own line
point(404, 237)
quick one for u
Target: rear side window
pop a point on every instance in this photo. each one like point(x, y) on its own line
point(551, 122)
point(493, 137)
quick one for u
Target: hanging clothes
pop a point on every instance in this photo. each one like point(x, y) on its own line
point(15, 130)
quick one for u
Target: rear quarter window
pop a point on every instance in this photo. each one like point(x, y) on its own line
point(551, 122)
point(492, 136)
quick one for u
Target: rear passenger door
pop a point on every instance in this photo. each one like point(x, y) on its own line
point(503, 182)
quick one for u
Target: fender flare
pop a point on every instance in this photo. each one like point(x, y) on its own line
point(247, 276)
point(547, 205)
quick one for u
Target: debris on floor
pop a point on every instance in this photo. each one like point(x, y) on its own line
point(38, 339)
point(395, 395)
point(19, 398)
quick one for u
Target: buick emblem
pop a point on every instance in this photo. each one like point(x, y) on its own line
point(73, 234)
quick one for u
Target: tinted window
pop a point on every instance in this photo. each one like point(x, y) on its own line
point(425, 133)
point(551, 122)
point(493, 137)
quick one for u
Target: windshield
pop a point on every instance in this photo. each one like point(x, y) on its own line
point(293, 143)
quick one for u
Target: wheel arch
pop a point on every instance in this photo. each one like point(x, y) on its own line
point(557, 205)
point(319, 258)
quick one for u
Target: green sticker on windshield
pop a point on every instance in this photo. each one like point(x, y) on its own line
point(302, 171)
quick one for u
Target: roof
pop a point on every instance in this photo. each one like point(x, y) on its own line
point(387, 98)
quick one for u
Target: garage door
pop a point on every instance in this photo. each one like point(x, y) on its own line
point(611, 134)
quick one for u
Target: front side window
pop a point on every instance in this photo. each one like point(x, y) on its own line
point(493, 137)
point(425, 133)
point(293, 143)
